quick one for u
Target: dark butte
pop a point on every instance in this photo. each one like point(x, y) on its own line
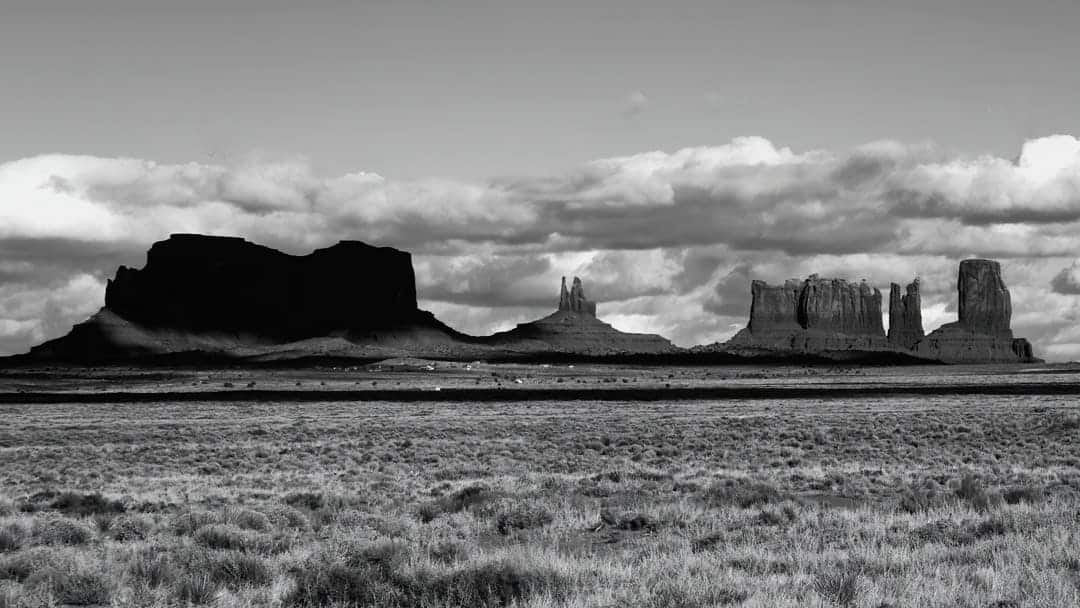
point(224, 284)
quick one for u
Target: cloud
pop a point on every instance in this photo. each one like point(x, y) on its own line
point(1068, 280)
point(635, 103)
point(667, 240)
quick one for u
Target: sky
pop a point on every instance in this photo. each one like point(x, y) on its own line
point(667, 153)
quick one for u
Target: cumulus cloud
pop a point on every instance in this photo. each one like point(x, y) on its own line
point(1068, 280)
point(665, 240)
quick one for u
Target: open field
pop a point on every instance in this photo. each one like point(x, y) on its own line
point(884, 500)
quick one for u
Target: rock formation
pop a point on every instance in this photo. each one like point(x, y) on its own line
point(814, 315)
point(574, 300)
point(905, 315)
point(774, 308)
point(985, 304)
point(209, 293)
point(226, 284)
point(982, 332)
point(574, 329)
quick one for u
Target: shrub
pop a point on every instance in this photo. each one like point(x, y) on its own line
point(18, 566)
point(12, 537)
point(522, 517)
point(498, 584)
point(77, 588)
point(129, 528)
point(224, 536)
point(151, 568)
point(235, 569)
point(915, 499)
point(1018, 494)
point(1066, 422)
point(247, 519)
point(284, 516)
point(448, 552)
point(840, 586)
point(671, 594)
point(628, 520)
point(973, 492)
point(374, 577)
point(742, 494)
point(307, 500)
point(461, 500)
point(73, 503)
point(185, 524)
point(195, 588)
point(61, 531)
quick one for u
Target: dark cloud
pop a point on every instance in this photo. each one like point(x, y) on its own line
point(731, 296)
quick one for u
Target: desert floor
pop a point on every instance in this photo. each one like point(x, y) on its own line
point(872, 497)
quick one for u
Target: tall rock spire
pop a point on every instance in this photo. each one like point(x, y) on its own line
point(905, 315)
point(574, 300)
point(985, 305)
point(564, 296)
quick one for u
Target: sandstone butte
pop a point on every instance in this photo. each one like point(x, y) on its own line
point(225, 296)
point(832, 315)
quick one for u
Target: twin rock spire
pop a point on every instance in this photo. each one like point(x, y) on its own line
point(574, 300)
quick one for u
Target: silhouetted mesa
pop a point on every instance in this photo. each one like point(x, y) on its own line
point(226, 284)
point(815, 315)
point(574, 328)
point(905, 315)
point(224, 294)
point(983, 331)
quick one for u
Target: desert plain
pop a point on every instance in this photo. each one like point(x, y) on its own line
point(425, 483)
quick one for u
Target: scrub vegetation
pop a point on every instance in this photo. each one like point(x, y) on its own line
point(877, 503)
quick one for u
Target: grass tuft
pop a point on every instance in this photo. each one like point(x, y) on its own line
point(841, 586)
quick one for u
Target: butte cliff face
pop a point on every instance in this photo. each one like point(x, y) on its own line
point(574, 329)
point(983, 331)
point(813, 315)
point(905, 315)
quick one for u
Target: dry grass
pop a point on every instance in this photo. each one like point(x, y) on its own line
point(866, 503)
